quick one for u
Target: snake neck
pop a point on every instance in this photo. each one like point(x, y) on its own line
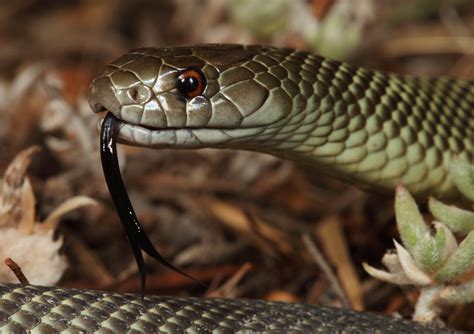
point(373, 129)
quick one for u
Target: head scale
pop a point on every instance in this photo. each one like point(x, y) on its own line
point(190, 89)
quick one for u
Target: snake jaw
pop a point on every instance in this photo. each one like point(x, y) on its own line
point(184, 138)
point(171, 137)
point(180, 138)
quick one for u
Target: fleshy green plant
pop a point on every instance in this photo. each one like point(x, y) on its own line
point(335, 35)
point(435, 263)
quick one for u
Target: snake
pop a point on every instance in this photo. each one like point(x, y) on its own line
point(366, 127)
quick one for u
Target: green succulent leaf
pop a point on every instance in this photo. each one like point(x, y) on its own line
point(440, 238)
point(462, 173)
point(458, 220)
point(445, 240)
point(459, 262)
point(410, 223)
point(398, 278)
point(410, 267)
point(428, 252)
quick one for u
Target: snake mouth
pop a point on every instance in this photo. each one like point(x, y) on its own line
point(181, 138)
point(103, 101)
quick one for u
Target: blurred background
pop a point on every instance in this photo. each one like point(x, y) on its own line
point(244, 223)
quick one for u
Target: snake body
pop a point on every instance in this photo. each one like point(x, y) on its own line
point(51, 310)
point(366, 127)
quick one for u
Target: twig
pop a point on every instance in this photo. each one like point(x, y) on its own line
point(334, 244)
point(406, 46)
point(90, 263)
point(15, 268)
point(226, 289)
point(326, 268)
point(171, 280)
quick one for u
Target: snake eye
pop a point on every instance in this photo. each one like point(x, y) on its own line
point(191, 83)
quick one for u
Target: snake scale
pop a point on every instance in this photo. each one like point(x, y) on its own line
point(369, 128)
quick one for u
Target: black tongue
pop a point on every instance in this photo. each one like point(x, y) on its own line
point(133, 229)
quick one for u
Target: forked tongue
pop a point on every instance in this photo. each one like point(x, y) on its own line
point(133, 229)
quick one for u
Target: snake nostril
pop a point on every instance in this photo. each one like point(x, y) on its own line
point(139, 94)
point(134, 94)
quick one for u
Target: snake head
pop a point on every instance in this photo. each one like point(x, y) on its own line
point(196, 96)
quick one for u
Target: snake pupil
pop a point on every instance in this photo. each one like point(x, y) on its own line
point(191, 83)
